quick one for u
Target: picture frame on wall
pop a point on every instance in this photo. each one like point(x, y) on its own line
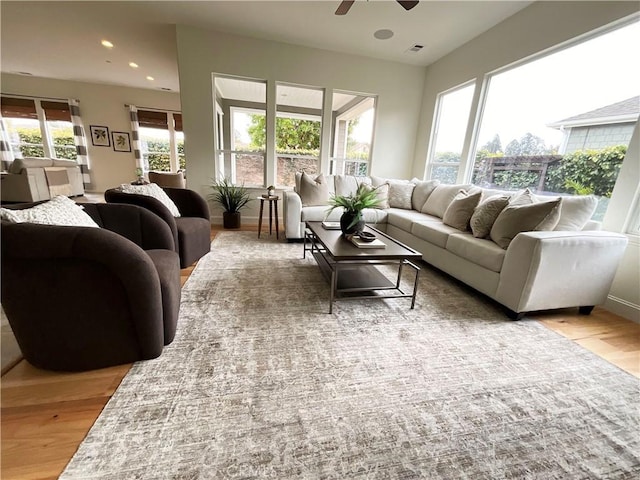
point(121, 141)
point(100, 136)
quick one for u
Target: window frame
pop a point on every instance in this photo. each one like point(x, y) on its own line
point(174, 157)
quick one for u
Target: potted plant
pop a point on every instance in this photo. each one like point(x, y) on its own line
point(351, 220)
point(232, 198)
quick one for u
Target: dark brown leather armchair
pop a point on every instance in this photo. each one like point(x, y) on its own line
point(191, 231)
point(80, 298)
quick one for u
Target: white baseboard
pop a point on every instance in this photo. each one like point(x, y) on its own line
point(623, 308)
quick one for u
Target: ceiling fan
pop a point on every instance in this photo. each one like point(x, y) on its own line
point(345, 5)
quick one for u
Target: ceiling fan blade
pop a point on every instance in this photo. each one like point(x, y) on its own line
point(408, 4)
point(344, 7)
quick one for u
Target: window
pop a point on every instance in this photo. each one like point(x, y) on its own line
point(162, 140)
point(552, 128)
point(353, 133)
point(450, 127)
point(241, 130)
point(39, 128)
point(298, 132)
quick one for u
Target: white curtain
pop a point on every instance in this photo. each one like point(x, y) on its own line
point(135, 139)
point(80, 140)
point(6, 153)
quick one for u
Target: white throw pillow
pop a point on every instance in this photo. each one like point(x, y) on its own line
point(400, 194)
point(152, 190)
point(576, 212)
point(59, 210)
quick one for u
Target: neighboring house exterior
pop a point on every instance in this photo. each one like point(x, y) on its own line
point(599, 128)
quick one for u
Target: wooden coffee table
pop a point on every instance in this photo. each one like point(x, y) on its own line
point(353, 272)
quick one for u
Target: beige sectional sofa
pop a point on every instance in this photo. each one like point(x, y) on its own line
point(36, 179)
point(567, 262)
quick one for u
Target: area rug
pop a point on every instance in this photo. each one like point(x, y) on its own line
point(261, 382)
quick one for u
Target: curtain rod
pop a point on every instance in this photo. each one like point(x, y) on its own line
point(153, 109)
point(37, 98)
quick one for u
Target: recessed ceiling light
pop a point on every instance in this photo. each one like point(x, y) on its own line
point(133, 64)
point(106, 43)
point(149, 77)
point(383, 34)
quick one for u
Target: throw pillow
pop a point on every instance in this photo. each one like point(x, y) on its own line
point(152, 190)
point(348, 184)
point(421, 192)
point(59, 210)
point(440, 199)
point(313, 191)
point(382, 194)
point(525, 218)
point(523, 197)
point(400, 195)
point(486, 213)
point(576, 212)
point(458, 213)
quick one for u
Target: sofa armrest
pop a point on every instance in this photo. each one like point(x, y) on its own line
point(559, 269)
point(28, 186)
point(189, 203)
point(291, 215)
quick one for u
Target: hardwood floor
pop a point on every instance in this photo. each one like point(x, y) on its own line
point(46, 415)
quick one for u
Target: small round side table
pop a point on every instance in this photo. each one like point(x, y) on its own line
point(273, 201)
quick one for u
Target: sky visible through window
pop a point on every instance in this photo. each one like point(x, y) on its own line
point(593, 74)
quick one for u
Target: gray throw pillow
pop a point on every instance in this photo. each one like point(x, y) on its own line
point(486, 213)
point(461, 209)
point(440, 199)
point(525, 218)
point(313, 191)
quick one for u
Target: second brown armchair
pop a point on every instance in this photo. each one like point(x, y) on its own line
point(191, 230)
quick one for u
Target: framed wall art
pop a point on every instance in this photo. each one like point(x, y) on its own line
point(100, 136)
point(121, 141)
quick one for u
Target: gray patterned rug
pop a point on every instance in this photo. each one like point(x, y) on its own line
point(261, 382)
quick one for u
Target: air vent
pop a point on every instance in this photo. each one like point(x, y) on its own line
point(165, 89)
point(415, 48)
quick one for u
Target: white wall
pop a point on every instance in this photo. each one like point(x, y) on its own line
point(99, 105)
point(624, 297)
point(535, 29)
point(200, 52)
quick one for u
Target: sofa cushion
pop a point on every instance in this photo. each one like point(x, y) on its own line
point(433, 232)
point(319, 213)
point(525, 218)
point(313, 191)
point(421, 192)
point(459, 211)
point(348, 184)
point(522, 197)
point(576, 212)
point(440, 199)
point(60, 162)
point(482, 252)
point(400, 194)
point(486, 213)
point(59, 210)
point(152, 190)
point(404, 219)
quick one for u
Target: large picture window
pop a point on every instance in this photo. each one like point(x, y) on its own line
point(561, 124)
point(451, 119)
point(353, 116)
point(39, 128)
point(162, 140)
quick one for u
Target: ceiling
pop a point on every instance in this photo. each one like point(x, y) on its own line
point(62, 39)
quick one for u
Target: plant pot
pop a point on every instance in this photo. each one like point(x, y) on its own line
point(347, 218)
point(231, 219)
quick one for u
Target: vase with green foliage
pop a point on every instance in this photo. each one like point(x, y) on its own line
point(351, 220)
point(232, 198)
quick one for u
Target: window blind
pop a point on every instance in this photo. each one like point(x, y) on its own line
point(18, 108)
point(56, 110)
point(150, 119)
